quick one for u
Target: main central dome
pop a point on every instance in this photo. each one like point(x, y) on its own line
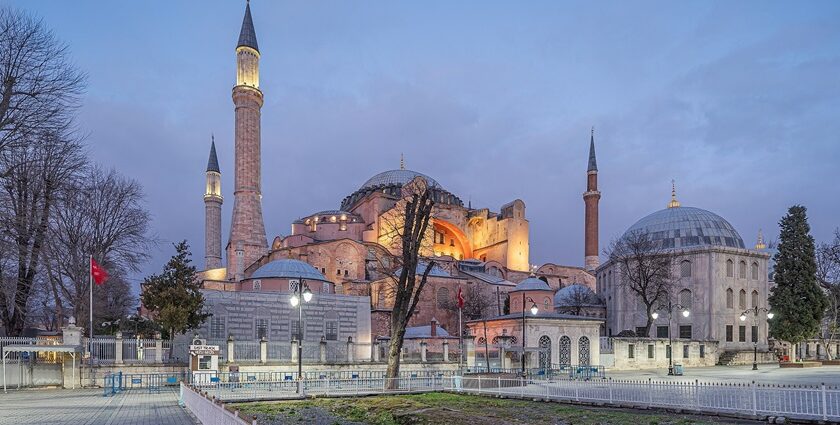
point(396, 178)
point(688, 227)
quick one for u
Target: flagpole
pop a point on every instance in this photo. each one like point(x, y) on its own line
point(460, 341)
point(90, 308)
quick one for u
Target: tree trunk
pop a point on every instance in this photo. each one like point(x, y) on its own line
point(394, 348)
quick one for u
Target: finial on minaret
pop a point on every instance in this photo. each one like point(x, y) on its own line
point(402, 162)
point(760, 243)
point(213, 162)
point(593, 165)
point(674, 202)
point(247, 35)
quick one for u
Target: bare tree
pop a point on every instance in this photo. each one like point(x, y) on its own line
point(828, 275)
point(40, 88)
point(38, 172)
point(645, 268)
point(575, 299)
point(477, 303)
point(405, 235)
point(101, 215)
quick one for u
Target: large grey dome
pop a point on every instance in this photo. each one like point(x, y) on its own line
point(289, 269)
point(398, 178)
point(531, 284)
point(687, 227)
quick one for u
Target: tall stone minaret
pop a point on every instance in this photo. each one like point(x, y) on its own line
point(213, 212)
point(247, 231)
point(591, 198)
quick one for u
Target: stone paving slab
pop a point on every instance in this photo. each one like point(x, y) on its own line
point(89, 407)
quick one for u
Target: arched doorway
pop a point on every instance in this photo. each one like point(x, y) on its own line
point(545, 352)
point(583, 351)
point(565, 351)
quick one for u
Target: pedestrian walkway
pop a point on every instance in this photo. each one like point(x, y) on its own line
point(89, 407)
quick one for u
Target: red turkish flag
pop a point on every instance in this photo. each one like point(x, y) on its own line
point(460, 299)
point(98, 273)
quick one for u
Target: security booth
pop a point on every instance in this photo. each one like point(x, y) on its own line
point(24, 350)
point(204, 362)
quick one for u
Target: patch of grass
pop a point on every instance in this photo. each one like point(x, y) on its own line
point(435, 408)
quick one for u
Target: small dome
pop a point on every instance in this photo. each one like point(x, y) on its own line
point(396, 178)
point(531, 284)
point(576, 295)
point(686, 227)
point(289, 269)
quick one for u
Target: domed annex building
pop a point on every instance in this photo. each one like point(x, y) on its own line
point(716, 278)
point(338, 251)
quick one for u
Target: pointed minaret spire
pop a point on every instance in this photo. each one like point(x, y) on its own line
point(593, 165)
point(213, 161)
point(760, 243)
point(247, 35)
point(402, 162)
point(591, 198)
point(674, 202)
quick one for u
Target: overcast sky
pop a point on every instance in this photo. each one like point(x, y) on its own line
point(737, 101)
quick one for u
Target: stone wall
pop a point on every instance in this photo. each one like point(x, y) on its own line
point(651, 353)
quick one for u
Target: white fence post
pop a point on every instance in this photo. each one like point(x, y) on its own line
point(118, 348)
point(650, 393)
point(263, 350)
point(158, 348)
point(609, 384)
point(824, 403)
point(231, 356)
point(754, 399)
point(350, 349)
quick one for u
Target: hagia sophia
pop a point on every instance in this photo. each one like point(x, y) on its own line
point(485, 249)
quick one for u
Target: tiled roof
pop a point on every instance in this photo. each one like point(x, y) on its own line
point(247, 36)
point(290, 269)
point(686, 227)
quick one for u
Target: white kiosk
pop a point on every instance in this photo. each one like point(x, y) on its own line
point(204, 362)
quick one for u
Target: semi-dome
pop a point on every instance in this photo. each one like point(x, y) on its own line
point(576, 295)
point(288, 269)
point(531, 284)
point(396, 178)
point(687, 227)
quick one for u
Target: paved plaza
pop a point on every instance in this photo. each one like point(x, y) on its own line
point(766, 374)
point(89, 407)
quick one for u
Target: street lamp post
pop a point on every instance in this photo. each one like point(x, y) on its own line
point(534, 311)
point(670, 309)
point(755, 312)
point(300, 290)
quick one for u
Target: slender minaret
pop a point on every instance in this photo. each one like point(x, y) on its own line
point(590, 199)
point(213, 212)
point(247, 231)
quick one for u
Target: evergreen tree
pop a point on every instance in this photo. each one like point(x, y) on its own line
point(797, 300)
point(173, 296)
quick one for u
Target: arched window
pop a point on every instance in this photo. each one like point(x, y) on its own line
point(730, 268)
point(442, 297)
point(545, 352)
point(742, 270)
point(565, 351)
point(547, 304)
point(754, 271)
point(380, 298)
point(730, 302)
point(685, 298)
point(685, 268)
point(742, 299)
point(544, 279)
point(754, 298)
point(583, 351)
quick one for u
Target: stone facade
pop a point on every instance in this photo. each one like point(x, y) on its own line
point(243, 315)
point(652, 353)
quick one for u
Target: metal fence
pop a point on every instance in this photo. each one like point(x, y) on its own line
point(291, 389)
point(246, 351)
point(802, 402)
point(203, 379)
point(207, 411)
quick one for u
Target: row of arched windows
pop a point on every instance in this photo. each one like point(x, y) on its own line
point(565, 353)
point(742, 298)
point(742, 269)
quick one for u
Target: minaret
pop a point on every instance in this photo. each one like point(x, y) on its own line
point(213, 212)
point(590, 199)
point(247, 231)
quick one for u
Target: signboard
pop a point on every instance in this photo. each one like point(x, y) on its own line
point(206, 350)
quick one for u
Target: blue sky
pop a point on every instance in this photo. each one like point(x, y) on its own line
point(737, 101)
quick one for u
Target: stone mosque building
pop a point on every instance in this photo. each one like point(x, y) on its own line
point(338, 248)
point(483, 249)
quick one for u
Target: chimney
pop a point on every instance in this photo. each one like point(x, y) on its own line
point(434, 327)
